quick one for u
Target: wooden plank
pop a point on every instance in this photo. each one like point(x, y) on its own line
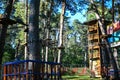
point(27, 71)
point(18, 72)
point(5, 72)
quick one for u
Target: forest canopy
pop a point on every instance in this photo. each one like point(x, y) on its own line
point(74, 32)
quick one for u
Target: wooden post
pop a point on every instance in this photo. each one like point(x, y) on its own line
point(10, 68)
point(18, 72)
point(55, 71)
point(26, 70)
point(5, 72)
point(60, 76)
point(42, 72)
point(51, 66)
point(23, 70)
point(15, 71)
point(32, 71)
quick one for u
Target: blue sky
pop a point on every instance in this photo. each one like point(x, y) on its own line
point(82, 18)
point(78, 16)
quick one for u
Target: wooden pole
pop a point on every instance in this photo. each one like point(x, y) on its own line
point(15, 71)
point(26, 71)
point(18, 72)
point(5, 72)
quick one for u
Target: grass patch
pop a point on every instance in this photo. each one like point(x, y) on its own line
point(76, 77)
point(78, 74)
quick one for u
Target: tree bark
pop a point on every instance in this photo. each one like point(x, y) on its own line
point(113, 11)
point(61, 29)
point(48, 34)
point(4, 29)
point(33, 36)
point(26, 33)
point(33, 42)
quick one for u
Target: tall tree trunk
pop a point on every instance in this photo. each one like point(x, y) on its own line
point(33, 35)
point(48, 28)
point(43, 43)
point(47, 44)
point(107, 46)
point(61, 30)
point(55, 49)
point(113, 11)
point(33, 42)
point(26, 34)
point(4, 29)
point(48, 34)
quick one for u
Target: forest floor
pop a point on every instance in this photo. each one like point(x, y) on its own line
point(76, 77)
point(78, 74)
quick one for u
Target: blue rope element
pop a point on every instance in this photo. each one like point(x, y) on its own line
point(36, 73)
point(36, 61)
point(15, 64)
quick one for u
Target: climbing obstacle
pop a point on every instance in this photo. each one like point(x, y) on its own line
point(96, 48)
point(19, 70)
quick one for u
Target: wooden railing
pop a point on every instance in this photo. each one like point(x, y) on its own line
point(19, 70)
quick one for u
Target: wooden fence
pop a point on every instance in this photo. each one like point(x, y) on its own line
point(19, 70)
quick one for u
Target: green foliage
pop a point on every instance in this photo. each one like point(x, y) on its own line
point(107, 10)
point(75, 36)
point(20, 10)
point(14, 33)
point(76, 44)
point(9, 53)
point(91, 16)
point(72, 6)
point(73, 55)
